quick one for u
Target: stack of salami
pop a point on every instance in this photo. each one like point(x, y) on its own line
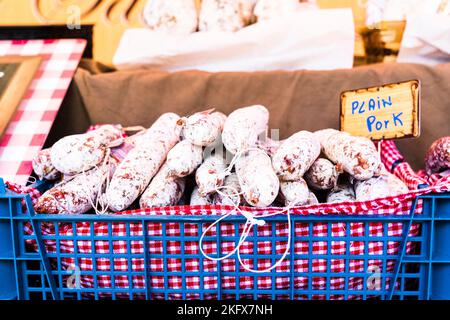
point(182, 16)
point(210, 159)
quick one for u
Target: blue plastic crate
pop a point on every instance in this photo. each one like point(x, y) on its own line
point(419, 275)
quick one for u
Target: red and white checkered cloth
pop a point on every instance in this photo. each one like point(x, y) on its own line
point(34, 117)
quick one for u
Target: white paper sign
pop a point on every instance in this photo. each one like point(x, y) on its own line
point(309, 39)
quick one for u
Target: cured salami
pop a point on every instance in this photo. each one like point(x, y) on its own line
point(184, 158)
point(243, 128)
point(163, 190)
point(295, 156)
point(294, 193)
point(258, 181)
point(437, 158)
point(43, 167)
point(322, 175)
point(140, 164)
point(209, 176)
point(174, 16)
point(385, 185)
point(204, 128)
point(357, 155)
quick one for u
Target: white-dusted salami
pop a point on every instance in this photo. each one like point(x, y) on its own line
point(322, 175)
point(341, 193)
point(163, 190)
point(204, 128)
point(81, 152)
point(166, 129)
point(294, 193)
point(74, 196)
point(230, 192)
point(222, 15)
point(357, 155)
point(107, 133)
point(184, 158)
point(243, 127)
point(258, 181)
point(142, 163)
point(43, 167)
point(209, 176)
point(295, 155)
point(134, 174)
point(437, 158)
point(323, 135)
point(197, 199)
point(385, 185)
point(270, 146)
point(174, 16)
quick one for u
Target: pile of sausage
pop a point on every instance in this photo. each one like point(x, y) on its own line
point(183, 16)
point(209, 158)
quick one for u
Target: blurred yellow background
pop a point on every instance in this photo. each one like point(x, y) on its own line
point(110, 17)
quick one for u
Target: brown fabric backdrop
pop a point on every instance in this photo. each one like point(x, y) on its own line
point(297, 100)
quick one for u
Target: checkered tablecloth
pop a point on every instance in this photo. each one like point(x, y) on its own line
point(34, 117)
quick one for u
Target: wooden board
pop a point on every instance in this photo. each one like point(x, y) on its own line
point(16, 74)
point(385, 112)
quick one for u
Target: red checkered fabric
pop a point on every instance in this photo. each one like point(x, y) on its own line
point(27, 131)
point(406, 173)
point(389, 154)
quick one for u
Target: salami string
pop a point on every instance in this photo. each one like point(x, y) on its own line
point(105, 172)
point(250, 222)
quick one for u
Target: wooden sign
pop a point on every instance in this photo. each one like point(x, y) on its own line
point(16, 74)
point(386, 112)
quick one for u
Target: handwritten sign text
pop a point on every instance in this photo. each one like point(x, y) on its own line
point(386, 112)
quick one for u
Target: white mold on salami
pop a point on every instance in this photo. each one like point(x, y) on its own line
point(174, 16)
point(258, 181)
point(166, 129)
point(357, 155)
point(341, 193)
point(184, 158)
point(437, 158)
point(295, 156)
point(197, 199)
point(243, 127)
point(204, 128)
point(385, 185)
point(142, 163)
point(294, 193)
point(230, 192)
point(322, 175)
point(74, 196)
point(222, 15)
point(270, 146)
point(81, 152)
point(209, 176)
point(163, 190)
point(77, 153)
point(43, 167)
